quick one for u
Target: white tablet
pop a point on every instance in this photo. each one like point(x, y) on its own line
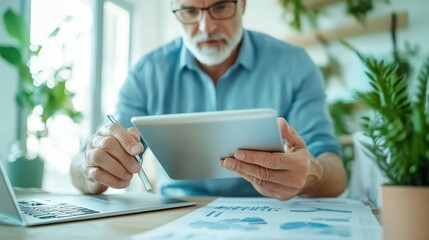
point(190, 145)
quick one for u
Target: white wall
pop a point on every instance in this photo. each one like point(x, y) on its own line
point(8, 84)
point(157, 25)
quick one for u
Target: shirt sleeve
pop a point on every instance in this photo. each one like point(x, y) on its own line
point(308, 112)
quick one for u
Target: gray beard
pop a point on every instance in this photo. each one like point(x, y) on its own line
point(213, 56)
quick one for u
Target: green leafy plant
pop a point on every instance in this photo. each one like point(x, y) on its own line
point(359, 9)
point(331, 69)
point(298, 9)
point(43, 92)
point(343, 114)
point(403, 58)
point(398, 125)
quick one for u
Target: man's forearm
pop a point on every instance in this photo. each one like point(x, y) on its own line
point(333, 180)
point(80, 180)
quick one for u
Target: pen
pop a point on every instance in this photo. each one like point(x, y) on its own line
point(141, 173)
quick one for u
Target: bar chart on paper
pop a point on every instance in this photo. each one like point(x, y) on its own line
point(264, 218)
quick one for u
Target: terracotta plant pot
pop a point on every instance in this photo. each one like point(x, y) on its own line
point(405, 212)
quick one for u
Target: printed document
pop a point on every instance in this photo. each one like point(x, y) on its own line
point(266, 218)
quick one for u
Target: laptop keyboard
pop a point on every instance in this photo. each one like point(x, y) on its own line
point(49, 209)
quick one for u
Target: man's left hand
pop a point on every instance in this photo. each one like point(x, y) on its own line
point(276, 174)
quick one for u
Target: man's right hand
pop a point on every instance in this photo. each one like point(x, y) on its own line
point(109, 159)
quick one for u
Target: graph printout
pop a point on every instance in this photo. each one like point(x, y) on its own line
point(265, 218)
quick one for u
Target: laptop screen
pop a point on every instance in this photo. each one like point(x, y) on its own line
point(8, 207)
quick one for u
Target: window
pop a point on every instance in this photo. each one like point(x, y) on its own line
point(67, 35)
point(116, 44)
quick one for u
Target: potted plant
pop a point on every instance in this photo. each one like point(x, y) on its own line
point(41, 94)
point(398, 130)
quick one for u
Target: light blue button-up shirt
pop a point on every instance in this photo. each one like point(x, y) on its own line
point(268, 73)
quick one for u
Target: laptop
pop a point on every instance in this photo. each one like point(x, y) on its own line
point(32, 208)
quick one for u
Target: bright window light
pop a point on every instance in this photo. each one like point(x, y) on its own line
point(115, 54)
point(64, 29)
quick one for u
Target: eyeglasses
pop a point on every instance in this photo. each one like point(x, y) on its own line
point(218, 11)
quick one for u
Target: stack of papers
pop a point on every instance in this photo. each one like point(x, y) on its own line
point(265, 218)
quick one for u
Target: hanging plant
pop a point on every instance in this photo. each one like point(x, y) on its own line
point(359, 9)
point(297, 9)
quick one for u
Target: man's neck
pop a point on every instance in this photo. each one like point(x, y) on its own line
point(217, 71)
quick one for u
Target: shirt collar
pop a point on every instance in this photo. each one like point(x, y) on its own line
point(186, 58)
point(246, 56)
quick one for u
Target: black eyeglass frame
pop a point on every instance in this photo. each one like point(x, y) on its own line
point(208, 11)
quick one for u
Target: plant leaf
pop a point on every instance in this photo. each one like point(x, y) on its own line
point(15, 26)
point(397, 127)
point(11, 55)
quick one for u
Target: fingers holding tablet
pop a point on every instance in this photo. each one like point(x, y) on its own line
point(281, 175)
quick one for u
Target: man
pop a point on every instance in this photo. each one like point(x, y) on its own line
point(217, 65)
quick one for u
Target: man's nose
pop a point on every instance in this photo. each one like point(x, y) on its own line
point(207, 23)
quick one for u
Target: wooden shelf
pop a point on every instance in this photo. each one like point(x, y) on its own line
point(318, 4)
point(372, 25)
